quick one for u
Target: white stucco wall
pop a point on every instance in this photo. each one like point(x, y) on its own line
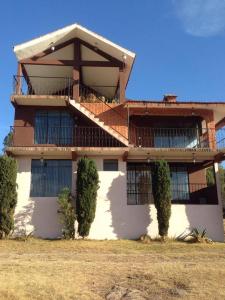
point(114, 218)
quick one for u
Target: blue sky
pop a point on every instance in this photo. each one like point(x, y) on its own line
point(180, 44)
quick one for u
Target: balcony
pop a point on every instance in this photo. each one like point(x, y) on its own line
point(63, 86)
point(66, 136)
point(188, 138)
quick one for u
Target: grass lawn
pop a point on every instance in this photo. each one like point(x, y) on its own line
point(39, 269)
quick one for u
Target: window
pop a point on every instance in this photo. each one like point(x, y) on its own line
point(110, 165)
point(139, 187)
point(179, 183)
point(176, 138)
point(53, 127)
point(49, 177)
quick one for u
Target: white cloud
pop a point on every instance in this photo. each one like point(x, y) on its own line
point(201, 17)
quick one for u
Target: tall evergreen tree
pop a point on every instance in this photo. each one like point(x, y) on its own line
point(161, 188)
point(87, 186)
point(8, 194)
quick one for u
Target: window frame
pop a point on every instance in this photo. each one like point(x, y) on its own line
point(46, 128)
point(41, 178)
point(111, 160)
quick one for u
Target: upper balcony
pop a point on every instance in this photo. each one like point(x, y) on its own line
point(51, 69)
point(53, 87)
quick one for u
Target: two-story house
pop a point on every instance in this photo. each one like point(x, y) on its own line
point(69, 100)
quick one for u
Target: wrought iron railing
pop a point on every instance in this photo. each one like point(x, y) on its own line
point(185, 193)
point(79, 136)
point(172, 137)
point(40, 85)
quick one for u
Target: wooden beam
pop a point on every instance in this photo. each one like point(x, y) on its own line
point(125, 156)
point(76, 69)
point(49, 50)
point(48, 62)
point(37, 57)
point(74, 155)
point(107, 56)
point(94, 63)
point(219, 157)
point(19, 79)
point(122, 86)
point(220, 124)
point(64, 62)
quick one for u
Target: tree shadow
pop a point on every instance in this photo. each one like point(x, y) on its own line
point(40, 217)
point(205, 212)
point(128, 221)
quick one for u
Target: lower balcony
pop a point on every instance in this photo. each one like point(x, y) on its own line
point(176, 138)
point(67, 136)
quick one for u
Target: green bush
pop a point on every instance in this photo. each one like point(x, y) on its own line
point(87, 186)
point(8, 194)
point(161, 188)
point(67, 213)
point(7, 142)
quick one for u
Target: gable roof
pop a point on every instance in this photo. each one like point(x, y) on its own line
point(42, 43)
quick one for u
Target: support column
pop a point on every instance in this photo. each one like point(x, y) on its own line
point(19, 79)
point(122, 86)
point(210, 123)
point(76, 70)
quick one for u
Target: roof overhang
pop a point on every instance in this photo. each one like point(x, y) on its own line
point(106, 76)
point(217, 107)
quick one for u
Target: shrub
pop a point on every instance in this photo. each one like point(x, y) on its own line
point(67, 213)
point(8, 194)
point(7, 141)
point(87, 186)
point(197, 236)
point(161, 189)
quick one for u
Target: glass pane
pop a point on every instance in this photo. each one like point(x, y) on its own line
point(49, 177)
point(40, 132)
point(180, 184)
point(110, 165)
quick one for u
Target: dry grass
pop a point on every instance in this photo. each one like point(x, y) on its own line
point(39, 269)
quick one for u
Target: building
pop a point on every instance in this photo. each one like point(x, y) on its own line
point(69, 99)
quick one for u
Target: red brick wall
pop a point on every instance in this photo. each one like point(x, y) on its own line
point(113, 115)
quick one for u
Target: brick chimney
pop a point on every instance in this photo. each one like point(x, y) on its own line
point(170, 98)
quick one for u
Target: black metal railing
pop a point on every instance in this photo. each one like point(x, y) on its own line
point(98, 93)
point(70, 136)
point(189, 193)
point(171, 137)
point(40, 85)
point(97, 137)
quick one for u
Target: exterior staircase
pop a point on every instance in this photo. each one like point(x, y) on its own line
point(105, 117)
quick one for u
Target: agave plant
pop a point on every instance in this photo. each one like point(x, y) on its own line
point(198, 236)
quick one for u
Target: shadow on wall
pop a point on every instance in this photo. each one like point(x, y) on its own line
point(206, 216)
point(40, 217)
point(128, 221)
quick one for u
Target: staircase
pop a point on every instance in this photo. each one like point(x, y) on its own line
point(105, 117)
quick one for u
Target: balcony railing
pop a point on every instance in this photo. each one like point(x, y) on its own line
point(192, 193)
point(63, 86)
point(70, 136)
point(39, 85)
point(98, 94)
point(173, 137)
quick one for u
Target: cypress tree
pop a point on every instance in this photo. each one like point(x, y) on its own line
point(87, 186)
point(8, 194)
point(161, 188)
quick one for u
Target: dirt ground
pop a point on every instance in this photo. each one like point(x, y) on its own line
point(112, 270)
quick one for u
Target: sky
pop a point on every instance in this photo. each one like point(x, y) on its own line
point(179, 44)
